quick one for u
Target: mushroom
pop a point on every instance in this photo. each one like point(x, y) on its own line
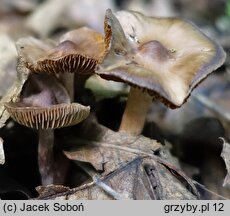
point(163, 58)
point(79, 51)
point(45, 105)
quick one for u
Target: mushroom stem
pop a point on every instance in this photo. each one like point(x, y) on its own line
point(67, 80)
point(46, 156)
point(135, 112)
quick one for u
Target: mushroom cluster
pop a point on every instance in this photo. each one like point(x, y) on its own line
point(45, 101)
point(160, 58)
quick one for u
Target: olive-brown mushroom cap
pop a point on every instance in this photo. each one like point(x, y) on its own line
point(167, 57)
point(52, 117)
point(78, 51)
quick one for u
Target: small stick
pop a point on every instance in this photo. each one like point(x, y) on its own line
point(94, 175)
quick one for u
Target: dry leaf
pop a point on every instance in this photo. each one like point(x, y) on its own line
point(225, 154)
point(8, 56)
point(14, 91)
point(139, 179)
point(107, 150)
point(129, 166)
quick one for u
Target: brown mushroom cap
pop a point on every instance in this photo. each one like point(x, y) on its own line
point(79, 51)
point(168, 57)
point(55, 116)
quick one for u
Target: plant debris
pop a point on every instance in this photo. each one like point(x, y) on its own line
point(225, 154)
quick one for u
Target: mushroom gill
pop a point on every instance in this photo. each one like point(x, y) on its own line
point(53, 117)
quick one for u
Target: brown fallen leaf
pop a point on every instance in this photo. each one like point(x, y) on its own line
point(139, 179)
point(225, 154)
point(110, 152)
point(8, 56)
point(14, 91)
point(107, 150)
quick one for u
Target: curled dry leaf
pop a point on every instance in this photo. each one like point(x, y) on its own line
point(32, 49)
point(8, 56)
point(225, 154)
point(14, 91)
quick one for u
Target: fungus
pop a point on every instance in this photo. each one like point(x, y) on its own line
point(79, 51)
point(45, 105)
point(160, 58)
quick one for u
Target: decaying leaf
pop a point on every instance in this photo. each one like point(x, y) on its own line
point(129, 166)
point(14, 91)
point(8, 56)
point(139, 179)
point(107, 150)
point(225, 154)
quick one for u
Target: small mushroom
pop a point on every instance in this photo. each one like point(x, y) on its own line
point(163, 58)
point(45, 105)
point(79, 51)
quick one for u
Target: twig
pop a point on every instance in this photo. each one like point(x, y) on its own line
point(96, 179)
point(108, 189)
point(91, 184)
